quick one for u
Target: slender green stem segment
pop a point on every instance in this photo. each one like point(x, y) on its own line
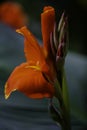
point(63, 107)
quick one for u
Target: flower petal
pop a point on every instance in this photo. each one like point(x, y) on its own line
point(34, 52)
point(32, 49)
point(30, 81)
point(47, 23)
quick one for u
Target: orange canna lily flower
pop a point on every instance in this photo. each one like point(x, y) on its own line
point(35, 77)
point(12, 14)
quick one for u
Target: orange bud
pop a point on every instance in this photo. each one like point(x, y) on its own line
point(47, 23)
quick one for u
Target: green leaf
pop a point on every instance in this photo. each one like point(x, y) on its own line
point(58, 92)
point(55, 114)
point(62, 96)
point(65, 93)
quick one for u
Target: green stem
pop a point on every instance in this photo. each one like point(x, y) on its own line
point(65, 125)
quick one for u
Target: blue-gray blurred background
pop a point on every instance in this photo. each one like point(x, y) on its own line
point(22, 113)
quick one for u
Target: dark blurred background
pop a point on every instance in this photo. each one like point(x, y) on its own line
point(77, 15)
point(22, 113)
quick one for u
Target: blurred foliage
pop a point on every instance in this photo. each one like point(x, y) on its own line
point(82, 3)
point(4, 72)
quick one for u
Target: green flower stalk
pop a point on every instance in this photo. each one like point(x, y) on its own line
point(59, 46)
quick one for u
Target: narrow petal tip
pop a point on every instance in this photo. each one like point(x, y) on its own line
point(6, 95)
point(8, 91)
point(48, 8)
point(20, 30)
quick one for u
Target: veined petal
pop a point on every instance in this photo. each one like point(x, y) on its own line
point(47, 23)
point(29, 81)
point(34, 52)
point(32, 49)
